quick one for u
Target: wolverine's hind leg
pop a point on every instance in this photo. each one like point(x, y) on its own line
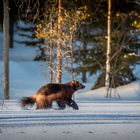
point(41, 105)
point(42, 102)
point(61, 104)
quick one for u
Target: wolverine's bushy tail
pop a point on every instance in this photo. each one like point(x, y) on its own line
point(27, 101)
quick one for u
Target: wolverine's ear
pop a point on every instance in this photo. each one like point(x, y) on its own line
point(73, 81)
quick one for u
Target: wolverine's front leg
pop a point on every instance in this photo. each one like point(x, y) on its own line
point(72, 104)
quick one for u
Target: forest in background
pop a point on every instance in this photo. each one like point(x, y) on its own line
point(76, 33)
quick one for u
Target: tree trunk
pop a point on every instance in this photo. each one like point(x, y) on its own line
point(107, 78)
point(11, 25)
point(51, 53)
point(11, 30)
point(6, 49)
point(71, 47)
point(59, 57)
point(51, 64)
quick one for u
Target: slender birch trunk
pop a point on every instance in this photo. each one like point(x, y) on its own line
point(59, 57)
point(51, 63)
point(51, 54)
point(6, 49)
point(71, 47)
point(107, 77)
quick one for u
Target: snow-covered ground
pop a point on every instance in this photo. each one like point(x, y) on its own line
point(94, 120)
point(98, 118)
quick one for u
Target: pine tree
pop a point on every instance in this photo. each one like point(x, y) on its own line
point(26, 31)
point(124, 44)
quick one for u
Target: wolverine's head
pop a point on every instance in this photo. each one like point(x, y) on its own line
point(76, 85)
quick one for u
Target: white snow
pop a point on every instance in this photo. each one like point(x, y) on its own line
point(94, 120)
point(98, 117)
point(127, 92)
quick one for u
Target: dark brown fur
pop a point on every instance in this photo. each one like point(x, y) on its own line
point(61, 93)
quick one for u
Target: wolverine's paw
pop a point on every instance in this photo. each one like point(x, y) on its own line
point(74, 105)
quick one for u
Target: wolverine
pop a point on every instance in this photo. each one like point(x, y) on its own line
point(61, 93)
